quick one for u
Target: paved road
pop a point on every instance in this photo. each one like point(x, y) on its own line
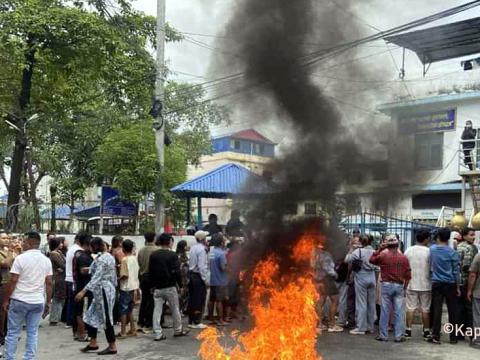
point(56, 343)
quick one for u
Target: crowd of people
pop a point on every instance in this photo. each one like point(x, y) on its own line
point(92, 285)
point(388, 286)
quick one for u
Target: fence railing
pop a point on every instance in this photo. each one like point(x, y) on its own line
point(378, 224)
point(468, 155)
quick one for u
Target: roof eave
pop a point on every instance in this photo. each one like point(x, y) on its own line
point(389, 107)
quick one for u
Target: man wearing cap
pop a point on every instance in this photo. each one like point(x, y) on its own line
point(198, 281)
point(445, 269)
point(395, 273)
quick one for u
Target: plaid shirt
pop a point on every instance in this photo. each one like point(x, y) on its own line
point(466, 253)
point(394, 266)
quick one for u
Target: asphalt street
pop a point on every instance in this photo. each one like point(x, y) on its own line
point(57, 343)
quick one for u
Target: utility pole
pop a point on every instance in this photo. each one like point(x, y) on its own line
point(159, 124)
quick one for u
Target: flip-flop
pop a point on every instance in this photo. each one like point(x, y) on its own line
point(89, 348)
point(107, 351)
point(161, 338)
point(181, 333)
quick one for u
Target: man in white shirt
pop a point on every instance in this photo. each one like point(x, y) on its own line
point(198, 281)
point(419, 291)
point(70, 302)
point(30, 278)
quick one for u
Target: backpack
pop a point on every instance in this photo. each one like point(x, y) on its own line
point(357, 263)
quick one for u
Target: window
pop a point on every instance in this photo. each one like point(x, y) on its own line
point(436, 201)
point(310, 209)
point(429, 151)
point(235, 144)
point(259, 149)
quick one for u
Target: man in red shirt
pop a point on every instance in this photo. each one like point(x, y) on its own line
point(395, 274)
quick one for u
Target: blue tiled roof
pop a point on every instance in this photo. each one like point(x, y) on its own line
point(228, 180)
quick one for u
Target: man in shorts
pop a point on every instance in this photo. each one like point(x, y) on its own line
point(419, 290)
point(129, 285)
point(218, 276)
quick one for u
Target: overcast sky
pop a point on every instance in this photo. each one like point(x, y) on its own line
point(208, 17)
point(204, 18)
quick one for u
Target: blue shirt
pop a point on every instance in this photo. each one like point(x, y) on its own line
point(218, 261)
point(444, 264)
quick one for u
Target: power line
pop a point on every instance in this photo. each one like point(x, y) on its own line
point(376, 29)
point(313, 58)
point(320, 55)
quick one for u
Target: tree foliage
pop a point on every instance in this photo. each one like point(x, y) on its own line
point(86, 69)
point(127, 159)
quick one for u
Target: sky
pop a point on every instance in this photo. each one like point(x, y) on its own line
point(188, 61)
point(204, 21)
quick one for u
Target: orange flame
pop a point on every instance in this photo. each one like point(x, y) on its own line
point(283, 308)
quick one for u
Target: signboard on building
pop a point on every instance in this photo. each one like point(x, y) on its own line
point(437, 121)
point(114, 206)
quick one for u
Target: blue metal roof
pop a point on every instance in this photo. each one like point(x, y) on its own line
point(446, 98)
point(88, 212)
point(229, 180)
point(61, 212)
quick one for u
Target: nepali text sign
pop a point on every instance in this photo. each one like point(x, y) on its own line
point(428, 122)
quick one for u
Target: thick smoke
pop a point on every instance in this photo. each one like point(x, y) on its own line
point(272, 38)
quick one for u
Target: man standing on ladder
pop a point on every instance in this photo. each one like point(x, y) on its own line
point(469, 133)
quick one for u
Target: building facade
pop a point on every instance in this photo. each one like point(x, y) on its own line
point(425, 156)
point(247, 148)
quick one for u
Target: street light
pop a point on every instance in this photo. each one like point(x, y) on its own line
point(15, 127)
point(12, 126)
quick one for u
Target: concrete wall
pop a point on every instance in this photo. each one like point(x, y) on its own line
point(137, 239)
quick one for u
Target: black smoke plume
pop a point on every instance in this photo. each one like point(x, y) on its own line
point(273, 40)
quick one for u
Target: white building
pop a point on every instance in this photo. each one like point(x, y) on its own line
point(425, 157)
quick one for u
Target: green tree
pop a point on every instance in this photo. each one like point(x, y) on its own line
point(127, 160)
point(62, 61)
point(189, 118)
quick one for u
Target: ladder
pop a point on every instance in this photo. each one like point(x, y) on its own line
point(474, 182)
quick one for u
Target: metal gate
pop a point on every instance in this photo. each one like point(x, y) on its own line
point(378, 225)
